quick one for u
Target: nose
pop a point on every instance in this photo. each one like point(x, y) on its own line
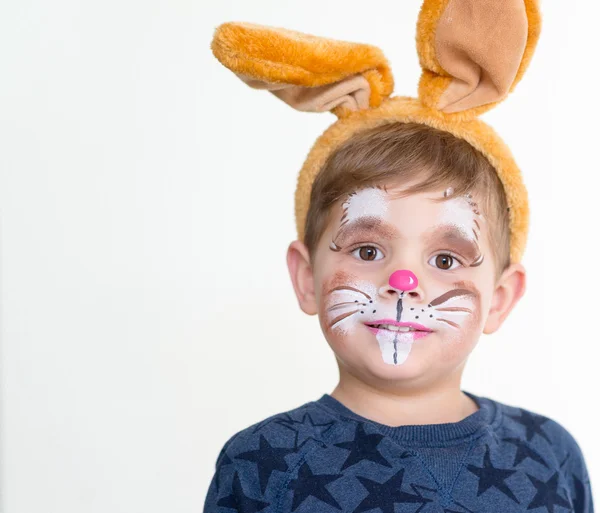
point(403, 279)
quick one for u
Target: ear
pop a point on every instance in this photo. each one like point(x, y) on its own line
point(509, 289)
point(474, 52)
point(298, 261)
point(307, 72)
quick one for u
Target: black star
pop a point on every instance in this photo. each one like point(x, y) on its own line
point(579, 499)
point(363, 447)
point(309, 484)
point(547, 495)
point(267, 459)
point(305, 429)
point(240, 501)
point(385, 495)
point(532, 422)
point(225, 461)
point(491, 476)
point(524, 451)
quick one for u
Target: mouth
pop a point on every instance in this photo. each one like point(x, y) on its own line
point(399, 327)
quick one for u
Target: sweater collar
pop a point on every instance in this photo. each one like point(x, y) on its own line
point(486, 415)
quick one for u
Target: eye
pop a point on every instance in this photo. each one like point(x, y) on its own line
point(367, 253)
point(445, 262)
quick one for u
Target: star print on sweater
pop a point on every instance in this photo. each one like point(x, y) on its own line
point(322, 457)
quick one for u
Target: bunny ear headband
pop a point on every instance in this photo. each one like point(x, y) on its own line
point(472, 54)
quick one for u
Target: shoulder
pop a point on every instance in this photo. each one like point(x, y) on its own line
point(253, 465)
point(538, 429)
point(290, 429)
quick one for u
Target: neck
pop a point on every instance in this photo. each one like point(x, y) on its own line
point(437, 403)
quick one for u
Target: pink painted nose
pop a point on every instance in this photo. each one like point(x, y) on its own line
point(403, 280)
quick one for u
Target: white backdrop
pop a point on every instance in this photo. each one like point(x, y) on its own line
point(146, 205)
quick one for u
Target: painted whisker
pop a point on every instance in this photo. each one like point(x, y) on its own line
point(450, 295)
point(345, 304)
point(343, 287)
point(448, 322)
point(454, 309)
point(341, 318)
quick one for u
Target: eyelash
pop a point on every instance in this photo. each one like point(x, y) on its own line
point(451, 254)
point(351, 251)
point(445, 252)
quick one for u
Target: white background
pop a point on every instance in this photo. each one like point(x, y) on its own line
point(146, 205)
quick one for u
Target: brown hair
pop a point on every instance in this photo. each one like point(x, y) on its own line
point(398, 153)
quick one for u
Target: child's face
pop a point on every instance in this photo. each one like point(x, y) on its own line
point(403, 285)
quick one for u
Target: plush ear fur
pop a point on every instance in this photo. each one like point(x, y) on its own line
point(309, 73)
point(474, 52)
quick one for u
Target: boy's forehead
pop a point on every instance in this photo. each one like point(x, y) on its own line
point(394, 212)
point(393, 203)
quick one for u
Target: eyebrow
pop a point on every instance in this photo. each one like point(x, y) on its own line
point(451, 235)
point(448, 234)
point(363, 225)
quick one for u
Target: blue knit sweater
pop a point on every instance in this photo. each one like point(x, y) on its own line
point(322, 457)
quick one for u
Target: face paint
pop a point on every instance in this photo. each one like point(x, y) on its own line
point(358, 308)
point(403, 280)
point(369, 203)
point(346, 298)
point(463, 213)
point(353, 303)
point(456, 306)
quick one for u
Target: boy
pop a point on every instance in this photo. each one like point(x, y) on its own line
point(412, 218)
point(405, 271)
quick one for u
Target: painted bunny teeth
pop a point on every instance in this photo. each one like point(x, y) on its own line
point(391, 327)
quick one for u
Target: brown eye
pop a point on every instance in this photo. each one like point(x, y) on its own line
point(367, 253)
point(444, 261)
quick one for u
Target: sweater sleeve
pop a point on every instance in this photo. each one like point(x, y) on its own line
point(213, 502)
point(573, 468)
point(233, 489)
point(579, 481)
point(210, 502)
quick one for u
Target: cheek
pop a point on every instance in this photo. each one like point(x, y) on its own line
point(332, 282)
point(333, 302)
point(472, 325)
point(461, 319)
point(343, 298)
point(457, 344)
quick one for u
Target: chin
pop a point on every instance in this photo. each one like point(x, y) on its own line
point(383, 359)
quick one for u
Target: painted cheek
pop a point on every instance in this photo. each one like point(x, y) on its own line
point(338, 279)
point(338, 302)
point(347, 303)
point(458, 315)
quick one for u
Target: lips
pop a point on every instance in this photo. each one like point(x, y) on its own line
point(412, 329)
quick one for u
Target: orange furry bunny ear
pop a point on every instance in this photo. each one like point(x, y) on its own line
point(472, 55)
point(309, 73)
point(474, 52)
